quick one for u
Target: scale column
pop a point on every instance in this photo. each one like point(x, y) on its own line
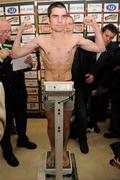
point(59, 139)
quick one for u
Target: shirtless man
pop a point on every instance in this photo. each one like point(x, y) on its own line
point(57, 51)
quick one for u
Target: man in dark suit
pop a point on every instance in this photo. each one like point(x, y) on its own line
point(15, 99)
point(99, 95)
point(80, 68)
point(114, 81)
point(88, 75)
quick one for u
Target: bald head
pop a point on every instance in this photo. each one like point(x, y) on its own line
point(5, 30)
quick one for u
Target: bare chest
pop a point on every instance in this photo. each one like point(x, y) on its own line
point(58, 52)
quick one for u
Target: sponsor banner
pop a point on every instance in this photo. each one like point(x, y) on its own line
point(14, 20)
point(1, 11)
point(78, 28)
point(42, 9)
point(98, 17)
point(27, 9)
point(43, 18)
point(110, 17)
point(31, 74)
point(77, 8)
point(31, 82)
point(32, 90)
point(77, 17)
point(28, 18)
point(94, 7)
point(33, 106)
point(11, 10)
point(32, 98)
point(111, 7)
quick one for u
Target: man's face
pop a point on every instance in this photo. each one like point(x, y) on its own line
point(69, 25)
point(108, 36)
point(57, 19)
point(5, 31)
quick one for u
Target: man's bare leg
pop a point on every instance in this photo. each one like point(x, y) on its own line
point(66, 132)
point(51, 135)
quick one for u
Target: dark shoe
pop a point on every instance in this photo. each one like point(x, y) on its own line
point(26, 144)
point(96, 129)
point(84, 146)
point(11, 160)
point(111, 135)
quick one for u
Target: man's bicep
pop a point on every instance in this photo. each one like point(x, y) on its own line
point(30, 47)
point(88, 45)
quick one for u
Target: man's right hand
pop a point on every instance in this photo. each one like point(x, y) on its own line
point(4, 53)
point(89, 78)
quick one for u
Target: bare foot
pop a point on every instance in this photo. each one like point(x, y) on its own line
point(66, 160)
point(51, 159)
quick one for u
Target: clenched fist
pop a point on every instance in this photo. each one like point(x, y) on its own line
point(26, 25)
point(89, 20)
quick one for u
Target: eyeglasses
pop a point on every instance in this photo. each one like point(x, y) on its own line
point(5, 31)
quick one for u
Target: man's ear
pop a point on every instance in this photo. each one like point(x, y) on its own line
point(48, 20)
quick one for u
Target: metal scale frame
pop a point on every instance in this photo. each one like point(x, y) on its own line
point(58, 92)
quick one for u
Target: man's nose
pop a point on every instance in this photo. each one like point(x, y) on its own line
point(108, 39)
point(59, 19)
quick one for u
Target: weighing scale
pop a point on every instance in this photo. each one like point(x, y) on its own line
point(60, 92)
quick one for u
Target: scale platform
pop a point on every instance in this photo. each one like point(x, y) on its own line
point(51, 170)
point(73, 176)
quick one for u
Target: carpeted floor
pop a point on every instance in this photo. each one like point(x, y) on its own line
point(92, 166)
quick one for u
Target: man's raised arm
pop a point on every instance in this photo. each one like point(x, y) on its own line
point(17, 50)
point(86, 44)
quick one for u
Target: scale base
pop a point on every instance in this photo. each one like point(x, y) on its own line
point(51, 170)
point(73, 176)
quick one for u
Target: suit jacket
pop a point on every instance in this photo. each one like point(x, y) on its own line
point(13, 81)
point(100, 67)
point(114, 70)
point(81, 65)
point(2, 111)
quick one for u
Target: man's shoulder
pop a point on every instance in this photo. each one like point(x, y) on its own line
point(76, 36)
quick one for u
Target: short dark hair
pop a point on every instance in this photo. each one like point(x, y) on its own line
point(110, 27)
point(54, 5)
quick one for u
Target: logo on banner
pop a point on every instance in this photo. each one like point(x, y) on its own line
point(111, 7)
point(11, 10)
